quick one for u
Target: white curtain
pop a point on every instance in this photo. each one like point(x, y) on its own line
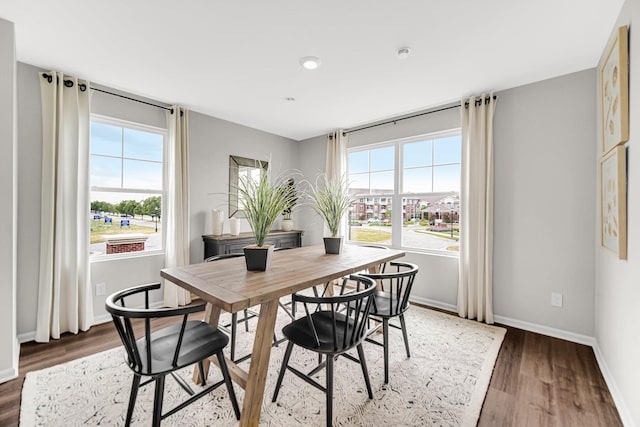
point(337, 143)
point(177, 204)
point(64, 291)
point(336, 154)
point(475, 287)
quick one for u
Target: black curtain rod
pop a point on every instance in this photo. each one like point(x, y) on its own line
point(466, 105)
point(83, 87)
point(132, 99)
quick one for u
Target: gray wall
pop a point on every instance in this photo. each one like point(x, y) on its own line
point(8, 190)
point(544, 203)
point(617, 281)
point(211, 142)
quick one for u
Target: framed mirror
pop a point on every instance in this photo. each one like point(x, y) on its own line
point(241, 166)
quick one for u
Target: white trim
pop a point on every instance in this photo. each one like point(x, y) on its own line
point(616, 395)
point(97, 320)
point(433, 303)
point(12, 372)
point(618, 400)
point(546, 330)
point(26, 337)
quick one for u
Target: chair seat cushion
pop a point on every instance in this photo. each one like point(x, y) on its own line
point(200, 341)
point(300, 333)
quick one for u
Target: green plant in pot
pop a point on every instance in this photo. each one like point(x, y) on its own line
point(287, 223)
point(263, 200)
point(330, 198)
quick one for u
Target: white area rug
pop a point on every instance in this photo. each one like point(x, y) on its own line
point(443, 383)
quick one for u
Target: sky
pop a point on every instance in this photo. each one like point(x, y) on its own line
point(429, 165)
point(125, 158)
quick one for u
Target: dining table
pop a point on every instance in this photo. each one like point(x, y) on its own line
point(227, 285)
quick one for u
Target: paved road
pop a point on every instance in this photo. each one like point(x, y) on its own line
point(413, 239)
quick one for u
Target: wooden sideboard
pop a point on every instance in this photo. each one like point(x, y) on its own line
point(228, 244)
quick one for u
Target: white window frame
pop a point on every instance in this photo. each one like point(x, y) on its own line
point(396, 197)
point(162, 193)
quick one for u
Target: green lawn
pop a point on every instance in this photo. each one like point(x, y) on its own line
point(360, 234)
point(99, 228)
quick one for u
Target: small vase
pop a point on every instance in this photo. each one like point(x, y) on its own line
point(332, 245)
point(234, 226)
point(258, 258)
point(286, 224)
point(217, 221)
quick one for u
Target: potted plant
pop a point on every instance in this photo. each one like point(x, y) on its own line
point(263, 200)
point(287, 223)
point(330, 198)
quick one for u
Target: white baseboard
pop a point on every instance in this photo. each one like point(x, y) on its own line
point(26, 337)
point(12, 372)
point(622, 408)
point(97, 320)
point(546, 330)
point(434, 303)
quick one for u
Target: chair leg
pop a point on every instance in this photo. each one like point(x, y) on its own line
point(203, 379)
point(293, 306)
point(365, 371)
point(404, 334)
point(132, 398)
point(385, 340)
point(234, 330)
point(329, 390)
point(227, 380)
point(283, 368)
point(157, 402)
point(246, 320)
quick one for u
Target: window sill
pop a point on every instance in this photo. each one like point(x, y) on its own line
point(127, 255)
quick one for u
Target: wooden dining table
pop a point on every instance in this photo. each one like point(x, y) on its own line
point(227, 285)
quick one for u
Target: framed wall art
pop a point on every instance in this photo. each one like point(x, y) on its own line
point(613, 201)
point(614, 91)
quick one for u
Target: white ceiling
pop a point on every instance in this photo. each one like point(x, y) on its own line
point(238, 60)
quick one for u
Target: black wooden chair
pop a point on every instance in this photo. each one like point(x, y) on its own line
point(164, 351)
point(232, 327)
point(333, 325)
point(391, 299)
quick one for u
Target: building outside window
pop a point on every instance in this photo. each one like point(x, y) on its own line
point(421, 176)
point(127, 187)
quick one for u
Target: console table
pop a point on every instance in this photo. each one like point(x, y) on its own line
point(228, 244)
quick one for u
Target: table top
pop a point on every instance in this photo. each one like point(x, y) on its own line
point(227, 283)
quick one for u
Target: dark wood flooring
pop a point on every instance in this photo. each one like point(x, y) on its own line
point(537, 380)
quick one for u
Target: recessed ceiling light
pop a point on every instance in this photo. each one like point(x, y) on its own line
point(403, 52)
point(310, 62)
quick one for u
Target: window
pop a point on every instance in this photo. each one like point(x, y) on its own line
point(421, 176)
point(127, 187)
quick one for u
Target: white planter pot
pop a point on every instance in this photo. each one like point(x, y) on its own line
point(286, 225)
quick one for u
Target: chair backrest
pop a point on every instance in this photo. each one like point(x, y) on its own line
point(346, 314)
point(396, 283)
point(223, 256)
point(122, 315)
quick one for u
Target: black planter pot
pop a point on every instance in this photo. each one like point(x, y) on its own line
point(258, 258)
point(332, 245)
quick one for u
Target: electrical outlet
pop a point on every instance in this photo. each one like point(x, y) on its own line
point(556, 299)
point(101, 289)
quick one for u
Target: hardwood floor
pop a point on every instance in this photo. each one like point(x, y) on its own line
point(537, 380)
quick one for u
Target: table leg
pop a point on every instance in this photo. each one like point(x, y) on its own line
point(254, 392)
point(211, 316)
